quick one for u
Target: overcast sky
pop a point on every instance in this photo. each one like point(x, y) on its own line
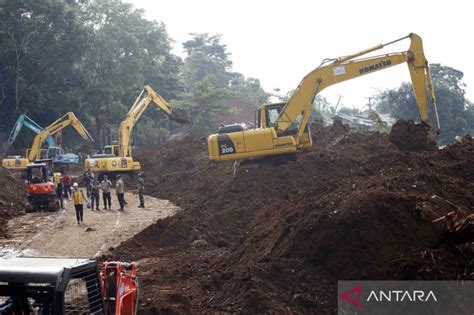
point(279, 42)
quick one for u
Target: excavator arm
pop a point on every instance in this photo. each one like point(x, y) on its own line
point(26, 121)
point(348, 67)
point(61, 123)
point(147, 95)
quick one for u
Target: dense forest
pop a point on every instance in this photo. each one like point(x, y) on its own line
point(94, 57)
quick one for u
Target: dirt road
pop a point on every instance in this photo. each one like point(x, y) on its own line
point(58, 234)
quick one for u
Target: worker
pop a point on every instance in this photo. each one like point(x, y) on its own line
point(95, 191)
point(120, 190)
point(67, 185)
point(141, 189)
point(79, 198)
point(59, 191)
point(106, 184)
point(88, 177)
point(38, 176)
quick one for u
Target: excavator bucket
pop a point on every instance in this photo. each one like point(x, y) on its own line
point(180, 116)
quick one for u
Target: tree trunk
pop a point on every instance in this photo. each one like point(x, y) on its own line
point(17, 82)
point(97, 131)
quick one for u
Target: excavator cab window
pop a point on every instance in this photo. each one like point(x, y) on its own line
point(111, 149)
point(272, 112)
point(272, 115)
point(37, 174)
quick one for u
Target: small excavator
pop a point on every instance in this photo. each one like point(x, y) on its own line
point(41, 188)
point(56, 286)
point(18, 163)
point(282, 128)
point(53, 151)
point(118, 158)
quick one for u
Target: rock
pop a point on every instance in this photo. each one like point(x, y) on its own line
point(199, 244)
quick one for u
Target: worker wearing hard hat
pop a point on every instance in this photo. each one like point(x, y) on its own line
point(78, 197)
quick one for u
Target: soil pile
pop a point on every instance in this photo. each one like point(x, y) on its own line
point(408, 136)
point(276, 238)
point(12, 199)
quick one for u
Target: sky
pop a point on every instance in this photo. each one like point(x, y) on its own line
point(279, 42)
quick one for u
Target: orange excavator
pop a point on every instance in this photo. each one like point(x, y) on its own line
point(46, 285)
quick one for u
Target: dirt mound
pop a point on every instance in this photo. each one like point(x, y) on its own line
point(408, 136)
point(12, 199)
point(277, 238)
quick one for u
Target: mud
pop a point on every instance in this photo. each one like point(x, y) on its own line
point(276, 238)
point(12, 199)
point(408, 136)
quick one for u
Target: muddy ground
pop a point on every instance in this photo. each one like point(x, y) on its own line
point(12, 199)
point(58, 234)
point(276, 238)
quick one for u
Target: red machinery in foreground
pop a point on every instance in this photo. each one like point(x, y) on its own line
point(44, 285)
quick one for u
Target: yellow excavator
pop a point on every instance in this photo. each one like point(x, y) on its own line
point(282, 128)
point(19, 163)
point(118, 158)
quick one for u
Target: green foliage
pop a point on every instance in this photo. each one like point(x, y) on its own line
point(248, 89)
point(456, 113)
point(93, 57)
point(209, 83)
point(210, 46)
point(41, 40)
point(204, 105)
point(126, 53)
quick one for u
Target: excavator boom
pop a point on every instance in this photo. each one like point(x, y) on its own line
point(347, 68)
point(147, 96)
point(26, 121)
point(61, 123)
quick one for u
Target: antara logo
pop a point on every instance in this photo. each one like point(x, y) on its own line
point(346, 296)
point(353, 296)
point(401, 296)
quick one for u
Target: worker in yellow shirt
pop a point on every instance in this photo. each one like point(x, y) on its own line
point(78, 197)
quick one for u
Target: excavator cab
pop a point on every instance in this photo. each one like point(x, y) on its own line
point(46, 285)
point(267, 116)
point(111, 150)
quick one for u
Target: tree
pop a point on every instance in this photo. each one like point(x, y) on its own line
point(247, 89)
point(455, 111)
point(41, 42)
point(203, 103)
point(208, 82)
point(127, 52)
point(93, 57)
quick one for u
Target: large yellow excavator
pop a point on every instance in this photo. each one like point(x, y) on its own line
point(282, 127)
point(118, 158)
point(19, 163)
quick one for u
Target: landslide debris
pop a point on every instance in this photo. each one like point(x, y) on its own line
point(276, 238)
point(12, 199)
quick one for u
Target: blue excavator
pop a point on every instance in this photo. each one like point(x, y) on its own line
point(54, 152)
